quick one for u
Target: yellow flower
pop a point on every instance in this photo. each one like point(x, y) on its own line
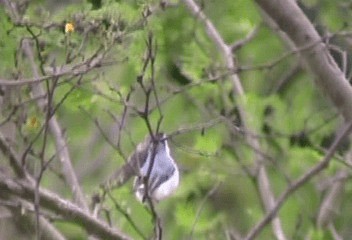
point(32, 122)
point(69, 27)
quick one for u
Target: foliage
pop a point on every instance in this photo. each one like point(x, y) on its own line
point(100, 110)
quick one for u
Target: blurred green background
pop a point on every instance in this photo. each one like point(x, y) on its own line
point(217, 197)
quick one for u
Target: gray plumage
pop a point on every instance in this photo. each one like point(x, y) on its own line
point(163, 174)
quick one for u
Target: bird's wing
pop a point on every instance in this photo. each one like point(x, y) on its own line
point(131, 167)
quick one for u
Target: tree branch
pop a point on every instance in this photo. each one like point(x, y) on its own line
point(290, 19)
point(331, 200)
point(267, 197)
point(26, 189)
point(62, 207)
point(55, 129)
point(324, 163)
point(15, 163)
point(18, 207)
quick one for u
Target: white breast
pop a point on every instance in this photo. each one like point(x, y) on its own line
point(167, 188)
point(163, 165)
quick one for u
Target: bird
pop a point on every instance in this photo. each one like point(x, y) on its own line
point(156, 172)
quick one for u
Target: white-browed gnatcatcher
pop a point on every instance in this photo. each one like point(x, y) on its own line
point(154, 168)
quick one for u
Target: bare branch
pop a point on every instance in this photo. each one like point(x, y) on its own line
point(15, 163)
point(328, 77)
point(62, 207)
point(331, 201)
point(266, 194)
point(55, 129)
point(201, 206)
point(75, 70)
point(240, 43)
point(127, 216)
point(324, 163)
point(17, 206)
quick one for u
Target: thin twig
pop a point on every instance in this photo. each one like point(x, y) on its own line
point(240, 43)
point(264, 187)
point(149, 61)
point(55, 203)
point(127, 216)
point(57, 133)
point(324, 163)
point(201, 206)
